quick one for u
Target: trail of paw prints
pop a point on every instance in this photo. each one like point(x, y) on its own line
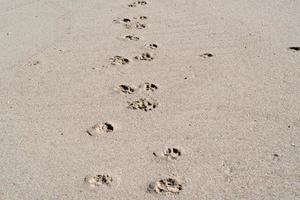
point(134, 23)
point(166, 186)
point(100, 128)
point(98, 180)
point(137, 3)
point(143, 104)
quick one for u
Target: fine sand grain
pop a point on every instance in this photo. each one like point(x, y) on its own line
point(155, 99)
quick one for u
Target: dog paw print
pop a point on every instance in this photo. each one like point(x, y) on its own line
point(126, 89)
point(168, 186)
point(98, 180)
point(151, 46)
point(132, 23)
point(143, 17)
point(144, 57)
point(34, 63)
point(140, 25)
point(137, 25)
point(137, 3)
point(132, 37)
point(144, 104)
point(206, 55)
point(149, 86)
point(172, 153)
point(122, 20)
point(119, 60)
point(100, 128)
point(294, 49)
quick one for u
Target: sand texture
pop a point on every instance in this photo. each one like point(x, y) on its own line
point(154, 99)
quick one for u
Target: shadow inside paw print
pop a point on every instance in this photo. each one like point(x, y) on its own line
point(98, 180)
point(206, 55)
point(294, 49)
point(143, 17)
point(125, 21)
point(144, 104)
point(119, 60)
point(168, 186)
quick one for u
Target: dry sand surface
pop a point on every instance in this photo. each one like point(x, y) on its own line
point(155, 99)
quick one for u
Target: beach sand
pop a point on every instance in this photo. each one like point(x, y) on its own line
point(173, 99)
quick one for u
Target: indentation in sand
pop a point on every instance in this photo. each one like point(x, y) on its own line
point(119, 60)
point(144, 104)
point(100, 128)
point(98, 180)
point(172, 153)
point(144, 57)
point(149, 86)
point(126, 89)
point(167, 186)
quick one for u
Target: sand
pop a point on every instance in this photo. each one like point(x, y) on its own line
point(173, 99)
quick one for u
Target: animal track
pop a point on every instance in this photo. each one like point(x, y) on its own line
point(98, 180)
point(126, 89)
point(137, 3)
point(294, 48)
point(34, 63)
point(149, 86)
point(168, 186)
point(140, 25)
point(145, 104)
point(132, 37)
point(206, 55)
point(144, 57)
point(172, 153)
point(151, 46)
point(100, 128)
point(143, 17)
point(119, 60)
point(129, 24)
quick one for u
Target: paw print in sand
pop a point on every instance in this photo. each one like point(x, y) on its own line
point(119, 60)
point(168, 186)
point(144, 104)
point(98, 180)
point(144, 57)
point(100, 128)
point(126, 89)
point(172, 153)
point(149, 87)
point(137, 3)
